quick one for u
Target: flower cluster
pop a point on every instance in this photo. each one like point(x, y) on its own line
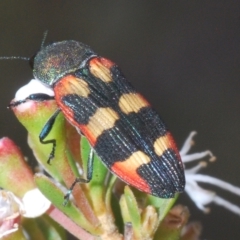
point(200, 196)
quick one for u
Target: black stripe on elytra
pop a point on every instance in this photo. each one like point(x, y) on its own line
point(83, 108)
point(165, 175)
point(108, 91)
point(102, 94)
point(114, 145)
point(130, 133)
point(149, 122)
point(120, 81)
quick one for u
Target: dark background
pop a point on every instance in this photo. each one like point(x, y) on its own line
point(182, 55)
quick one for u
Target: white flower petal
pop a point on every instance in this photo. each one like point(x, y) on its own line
point(200, 196)
point(196, 168)
point(187, 144)
point(197, 156)
point(194, 156)
point(10, 210)
point(34, 86)
point(9, 204)
point(217, 182)
point(35, 203)
point(226, 204)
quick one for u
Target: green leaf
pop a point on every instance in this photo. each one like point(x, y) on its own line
point(56, 196)
point(162, 204)
point(17, 235)
point(130, 211)
point(96, 187)
point(33, 117)
point(44, 228)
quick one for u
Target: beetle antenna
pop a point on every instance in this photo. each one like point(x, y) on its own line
point(25, 58)
point(15, 58)
point(44, 38)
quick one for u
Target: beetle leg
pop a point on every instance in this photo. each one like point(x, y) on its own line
point(44, 133)
point(82, 180)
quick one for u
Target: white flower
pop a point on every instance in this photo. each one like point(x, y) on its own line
point(10, 210)
point(33, 204)
point(33, 87)
point(199, 195)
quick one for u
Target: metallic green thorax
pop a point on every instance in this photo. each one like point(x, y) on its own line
point(58, 59)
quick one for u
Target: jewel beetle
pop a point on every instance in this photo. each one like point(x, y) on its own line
point(122, 128)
